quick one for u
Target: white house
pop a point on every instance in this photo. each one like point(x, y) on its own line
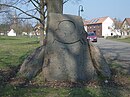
point(101, 26)
point(125, 27)
point(85, 24)
point(11, 33)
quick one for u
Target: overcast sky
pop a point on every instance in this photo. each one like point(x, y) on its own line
point(99, 8)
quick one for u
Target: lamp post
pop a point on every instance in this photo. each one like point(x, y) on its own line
point(80, 9)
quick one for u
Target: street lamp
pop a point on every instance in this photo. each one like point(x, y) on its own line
point(80, 9)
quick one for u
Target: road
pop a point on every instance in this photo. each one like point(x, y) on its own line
point(118, 52)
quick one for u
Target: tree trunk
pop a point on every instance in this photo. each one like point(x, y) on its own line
point(66, 50)
point(42, 17)
point(32, 65)
point(55, 6)
point(67, 55)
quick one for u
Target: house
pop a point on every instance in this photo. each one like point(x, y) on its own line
point(101, 26)
point(38, 28)
point(116, 27)
point(11, 33)
point(125, 27)
point(85, 24)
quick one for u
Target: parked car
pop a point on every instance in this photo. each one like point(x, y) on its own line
point(92, 37)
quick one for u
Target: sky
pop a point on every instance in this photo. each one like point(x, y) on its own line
point(119, 9)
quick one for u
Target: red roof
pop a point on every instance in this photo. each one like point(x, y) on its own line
point(86, 22)
point(128, 20)
point(97, 20)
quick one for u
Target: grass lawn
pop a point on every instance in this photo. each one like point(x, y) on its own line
point(13, 50)
point(86, 91)
point(63, 92)
point(127, 40)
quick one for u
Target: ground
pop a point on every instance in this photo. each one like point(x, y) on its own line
point(116, 53)
point(14, 49)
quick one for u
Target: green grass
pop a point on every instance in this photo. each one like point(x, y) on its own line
point(127, 40)
point(13, 50)
point(11, 91)
point(91, 91)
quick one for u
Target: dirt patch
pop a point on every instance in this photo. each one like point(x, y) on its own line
point(7, 74)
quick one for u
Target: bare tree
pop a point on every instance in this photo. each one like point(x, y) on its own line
point(27, 27)
point(4, 28)
point(37, 11)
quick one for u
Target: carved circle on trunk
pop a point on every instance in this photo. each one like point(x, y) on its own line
point(66, 32)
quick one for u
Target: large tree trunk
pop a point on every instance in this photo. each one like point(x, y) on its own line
point(42, 18)
point(55, 6)
point(67, 55)
point(32, 65)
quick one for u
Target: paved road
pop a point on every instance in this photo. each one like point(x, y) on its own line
point(118, 52)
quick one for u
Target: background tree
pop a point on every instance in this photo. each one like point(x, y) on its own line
point(4, 28)
point(5, 21)
point(35, 9)
point(27, 27)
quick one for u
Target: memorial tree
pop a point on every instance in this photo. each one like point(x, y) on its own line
point(66, 55)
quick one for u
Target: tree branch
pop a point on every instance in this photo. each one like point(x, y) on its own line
point(21, 11)
point(4, 11)
point(35, 6)
point(27, 11)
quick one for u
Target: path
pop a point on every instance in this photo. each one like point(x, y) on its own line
point(118, 52)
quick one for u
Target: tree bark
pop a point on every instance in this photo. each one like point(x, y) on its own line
point(32, 65)
point(55, 6)
point(42, 18)
point(67, 55)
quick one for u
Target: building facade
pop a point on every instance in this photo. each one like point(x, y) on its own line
point(125, 27)
point(100, 26)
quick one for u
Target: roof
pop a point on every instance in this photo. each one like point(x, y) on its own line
point(38, 26)
point(97, 20)
point(117, 22)
point(127, 20)
point(86, 22)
